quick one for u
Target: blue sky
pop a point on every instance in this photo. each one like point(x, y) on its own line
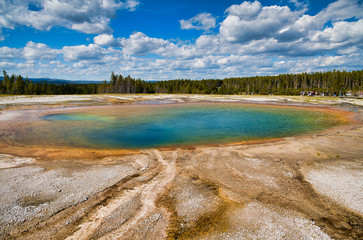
point(170, 39)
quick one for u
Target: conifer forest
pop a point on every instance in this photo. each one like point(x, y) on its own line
point(329, 83)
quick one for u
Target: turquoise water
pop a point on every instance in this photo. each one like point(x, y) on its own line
point(183, 125)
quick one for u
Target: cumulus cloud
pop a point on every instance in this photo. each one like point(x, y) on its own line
point(341, 10)
point(334, 12)
point(243, 26)
point(106, 40)
point(95, 25)
point(202, 21)
point(28, 64)
point(348, 51)
point(277, 32)
point(341, 31)
point(7, 65)
point(39, 51)
point(180, 51)
point(92, 16)
point(299, 4)
point(253, 29)
point(9, 53)
point(140, 44)
point(83, 52)
point(245, 10)
point(251, 39)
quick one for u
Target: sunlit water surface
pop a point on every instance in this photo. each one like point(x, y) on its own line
point(133, 127)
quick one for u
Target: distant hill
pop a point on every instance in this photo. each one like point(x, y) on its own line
point(58, 81)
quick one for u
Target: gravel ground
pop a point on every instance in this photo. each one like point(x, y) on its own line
point(259, 221)
point(296, 188)
point(8, 161)
point(193, 199)
point(341, 181)
point(33, 192)
point(43, 99)
point(170, 98)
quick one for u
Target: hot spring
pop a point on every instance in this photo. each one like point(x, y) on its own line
point(170, 125)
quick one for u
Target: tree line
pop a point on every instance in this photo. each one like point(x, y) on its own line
point(331, 82)
point(17, 85)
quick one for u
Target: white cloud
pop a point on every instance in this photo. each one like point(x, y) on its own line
point(202, 21)
point(245, 10)
point(91, 16)
point(83, 52)
point(7, 65)
point(206, 41)
point(131, 5)
point(280, 31)
point(9, 53)
point(350, 50)
point(341, 10)
point(95, 25)
point(252, 40)
point(336, 11)
point(181, 51)
point(28, 64)
point(341, 31)
point(299, 4)
point(270, 20)
point(320, 63)
point(140, 44)
point(105, 40)
point(39, 51)
point(199, 63)
point(57, 63)
point(233, 60)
